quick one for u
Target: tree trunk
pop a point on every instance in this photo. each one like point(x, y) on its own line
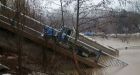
point(62, 20)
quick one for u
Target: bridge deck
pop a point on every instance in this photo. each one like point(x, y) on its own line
point(33, 29)
point(28, 33)
point(98, 46)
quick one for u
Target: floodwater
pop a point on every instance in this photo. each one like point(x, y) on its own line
point(129, 53)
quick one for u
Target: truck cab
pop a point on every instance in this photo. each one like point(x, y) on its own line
point(48, 32)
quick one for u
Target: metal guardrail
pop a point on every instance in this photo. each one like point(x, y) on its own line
point(21, 24)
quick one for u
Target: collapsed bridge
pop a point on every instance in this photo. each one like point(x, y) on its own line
point(33, 32)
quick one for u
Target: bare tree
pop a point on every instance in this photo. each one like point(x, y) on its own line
point(75, 41)
point(62, 13)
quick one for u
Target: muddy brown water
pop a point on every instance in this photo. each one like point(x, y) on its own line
point(129, 53)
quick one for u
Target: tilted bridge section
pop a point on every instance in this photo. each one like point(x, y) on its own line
point(33, 32)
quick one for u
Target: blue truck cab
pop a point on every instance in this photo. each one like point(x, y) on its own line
point(61, 35)
point(49, 32)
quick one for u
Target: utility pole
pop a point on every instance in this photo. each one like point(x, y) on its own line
point(62, 19)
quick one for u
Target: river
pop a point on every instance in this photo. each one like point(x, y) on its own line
point(129, 52)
